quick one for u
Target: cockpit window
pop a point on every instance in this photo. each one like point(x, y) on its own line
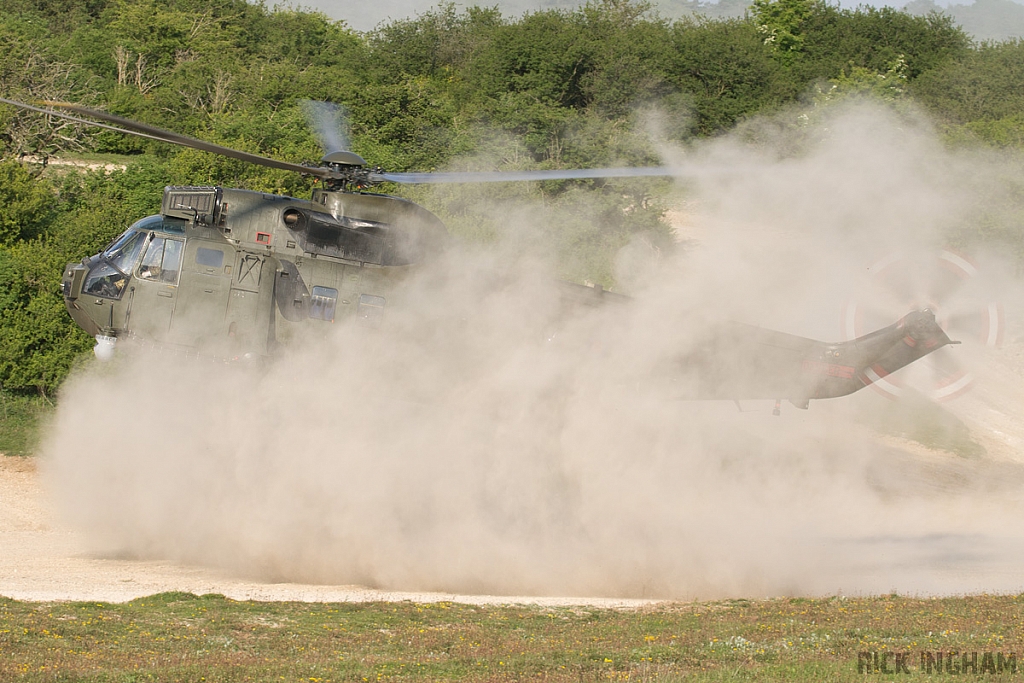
point(148, 223)
point(125, 251)
point(109, 274)
point(106, 281)
point(119, 243)
point(160, 224)
point(162, 260)
point(172, 225)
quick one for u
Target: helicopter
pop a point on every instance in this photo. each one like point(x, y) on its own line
point(231, 273)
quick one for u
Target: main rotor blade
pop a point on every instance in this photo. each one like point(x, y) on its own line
point(129, 127)
point(520, 176)
point(143, 130)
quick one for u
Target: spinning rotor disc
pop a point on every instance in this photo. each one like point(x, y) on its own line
point(953, 288)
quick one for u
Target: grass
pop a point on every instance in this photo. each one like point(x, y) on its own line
point(21, 421)
point(181, 637)
point(920, 419)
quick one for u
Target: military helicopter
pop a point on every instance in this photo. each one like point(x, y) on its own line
point(228, 273)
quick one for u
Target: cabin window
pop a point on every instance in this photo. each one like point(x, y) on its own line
point(370, 307)
point(322, 303)
point(211, 258)
point(162, 261)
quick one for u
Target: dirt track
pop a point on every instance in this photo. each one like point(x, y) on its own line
point(40, 560)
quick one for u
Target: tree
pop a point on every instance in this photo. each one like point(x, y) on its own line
point(781, 24)
point(987, 84)
point(837, 40)
point(726, 73)
point(26, 203)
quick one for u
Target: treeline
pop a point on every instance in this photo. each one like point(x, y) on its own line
point(469, 88)
point(422, 90)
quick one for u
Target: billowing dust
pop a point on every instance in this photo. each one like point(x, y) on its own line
point(482, 440)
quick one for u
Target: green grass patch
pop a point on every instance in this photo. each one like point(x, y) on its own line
point(21, 421)
point(920, 419)
point(182, 637)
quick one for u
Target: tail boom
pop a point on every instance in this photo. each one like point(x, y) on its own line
point(741, 362)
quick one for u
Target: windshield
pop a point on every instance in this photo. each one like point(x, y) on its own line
point(123, 253)
point(160, 223)
point(105, 281)
point(120, 242)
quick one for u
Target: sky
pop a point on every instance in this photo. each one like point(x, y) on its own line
point(364, 16)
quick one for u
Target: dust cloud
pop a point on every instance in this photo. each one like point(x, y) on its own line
point(481, 441)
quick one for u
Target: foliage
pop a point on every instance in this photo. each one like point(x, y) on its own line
point(26, 204)
point(920, 419)
point(21, 420)
point(860, 83)
point(838, 39)
point(724, 73)
point(983, 86)
point(781, 24)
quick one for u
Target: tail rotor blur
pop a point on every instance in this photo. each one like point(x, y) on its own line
point(954, 289)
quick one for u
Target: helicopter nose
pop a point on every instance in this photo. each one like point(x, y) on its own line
point(71, 283)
